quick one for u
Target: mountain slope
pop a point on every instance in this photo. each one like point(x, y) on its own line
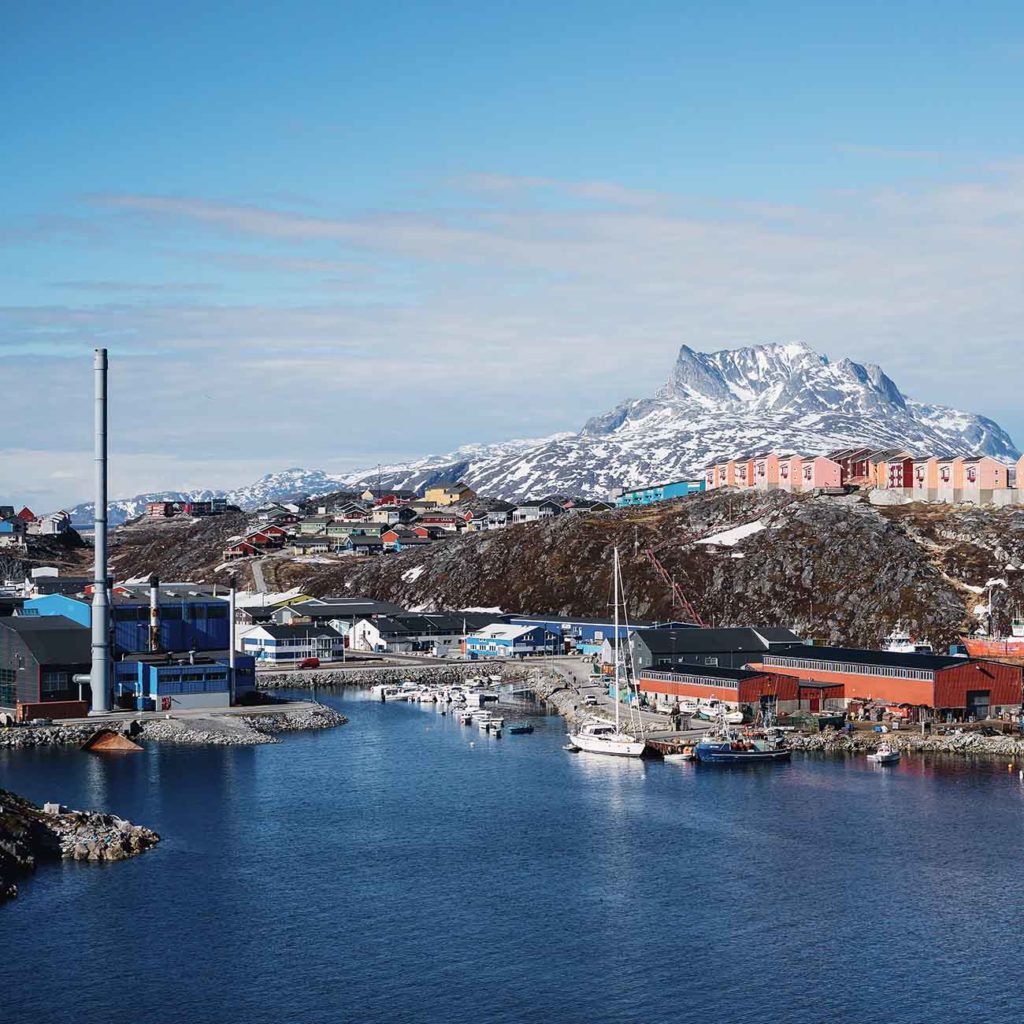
point(715, 406)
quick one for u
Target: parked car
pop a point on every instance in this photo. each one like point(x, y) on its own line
point(590, 700)
point(309, 663)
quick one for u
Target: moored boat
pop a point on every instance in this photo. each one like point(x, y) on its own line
point(885, 754)
point(725, 745)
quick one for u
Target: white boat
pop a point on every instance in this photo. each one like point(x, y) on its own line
point(899, 641)
point(713, 710)
point(884, 754)
point(682, 757)
point(598, 736)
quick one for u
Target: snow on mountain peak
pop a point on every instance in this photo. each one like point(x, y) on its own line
point(714, 405)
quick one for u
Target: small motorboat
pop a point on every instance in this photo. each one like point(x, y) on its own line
point(519, 728)
point(884, 755)
point(681, 757)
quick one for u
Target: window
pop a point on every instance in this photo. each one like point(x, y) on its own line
point(54, 682)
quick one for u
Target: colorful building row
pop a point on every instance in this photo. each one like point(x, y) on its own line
point(890, 475)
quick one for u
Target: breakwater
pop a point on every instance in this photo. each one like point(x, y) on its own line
point(30, 834)
point(215, 730)
point(957, 742)
point(437, 675)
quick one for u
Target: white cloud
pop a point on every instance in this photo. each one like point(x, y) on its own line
point(519, 317)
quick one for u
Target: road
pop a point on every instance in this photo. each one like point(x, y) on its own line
point(257, 576)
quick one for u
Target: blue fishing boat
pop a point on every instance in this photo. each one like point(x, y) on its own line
point(723, 745)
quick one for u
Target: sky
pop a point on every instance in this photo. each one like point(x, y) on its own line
point(329, 235)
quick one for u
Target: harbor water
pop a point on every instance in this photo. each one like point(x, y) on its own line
point(405, 868)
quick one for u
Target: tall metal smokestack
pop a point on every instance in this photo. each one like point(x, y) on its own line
point(231, 639)
point(99, 677)
point(154, 613)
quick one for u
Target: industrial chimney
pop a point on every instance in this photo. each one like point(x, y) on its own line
point(231, 638)
point(154, 613)
point(99, 677)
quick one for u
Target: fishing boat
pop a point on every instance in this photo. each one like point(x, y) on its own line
point(1011, 646)
point(884, 754)
point(597, 735)
point(724, 744)
point(899, 641)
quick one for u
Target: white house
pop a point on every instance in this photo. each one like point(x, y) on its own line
point(277, 644)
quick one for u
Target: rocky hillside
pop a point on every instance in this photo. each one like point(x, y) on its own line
point(837, 569)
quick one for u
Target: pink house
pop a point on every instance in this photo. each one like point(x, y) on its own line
point(820, 472)
point(951, 479)
point(1018, 479)
point(711, 478)
point(726, 473)
point(982, 476)
point(790, 472)
point(924, 481)
point(766, 472)
point(744, 472)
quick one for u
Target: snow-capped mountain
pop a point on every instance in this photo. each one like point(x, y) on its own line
point(715, 406)
point(272, 487)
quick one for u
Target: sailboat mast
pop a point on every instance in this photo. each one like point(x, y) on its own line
point(618, 639)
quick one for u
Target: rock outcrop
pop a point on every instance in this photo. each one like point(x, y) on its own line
point(30, 835)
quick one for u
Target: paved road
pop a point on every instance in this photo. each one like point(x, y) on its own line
point(257, 576)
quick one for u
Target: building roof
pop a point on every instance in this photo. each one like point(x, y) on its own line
point(711, 671)
point(345, 608)
point(427, 624)
point(69, 585)
point(711, 641)
point(52, 639)
point(860, 656)
point(502, 631)
point(299, 630)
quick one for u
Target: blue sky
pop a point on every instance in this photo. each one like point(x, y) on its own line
point(329, 234)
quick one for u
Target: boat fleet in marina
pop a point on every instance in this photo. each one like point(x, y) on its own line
point(474, 702)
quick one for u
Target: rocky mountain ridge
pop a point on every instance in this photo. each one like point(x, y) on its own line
point(713, 406)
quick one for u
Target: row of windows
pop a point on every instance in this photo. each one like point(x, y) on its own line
point(841, 666)
point(189, 677)
point(682, 677)
point(7, 675)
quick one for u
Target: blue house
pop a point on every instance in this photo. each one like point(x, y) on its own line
point(585, 636)
point(659, 492)
point(502, 640)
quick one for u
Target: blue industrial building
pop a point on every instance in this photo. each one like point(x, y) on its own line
point(659, 492)
point(186, 623)
point(167, 682)
point(586, 636)
point(190, 668)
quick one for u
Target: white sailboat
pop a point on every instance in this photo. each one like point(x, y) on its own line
point(598, 736)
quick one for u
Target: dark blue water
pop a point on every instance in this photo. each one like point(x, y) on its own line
point(390, 871)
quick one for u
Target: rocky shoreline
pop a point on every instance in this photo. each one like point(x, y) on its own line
point(958, 742)
point(222, 730)
point(30, 835)
point(437, 675)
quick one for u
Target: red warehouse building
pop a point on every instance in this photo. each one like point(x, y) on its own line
point(939, 683)
point(734, 686)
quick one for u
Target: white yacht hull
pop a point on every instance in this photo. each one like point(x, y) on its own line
point(621, 744)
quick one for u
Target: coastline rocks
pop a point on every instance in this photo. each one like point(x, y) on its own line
point(215, 730)
point(30, 834)
point(957, 742)
point(439, 675)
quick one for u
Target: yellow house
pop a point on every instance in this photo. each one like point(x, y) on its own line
point(449, 494)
